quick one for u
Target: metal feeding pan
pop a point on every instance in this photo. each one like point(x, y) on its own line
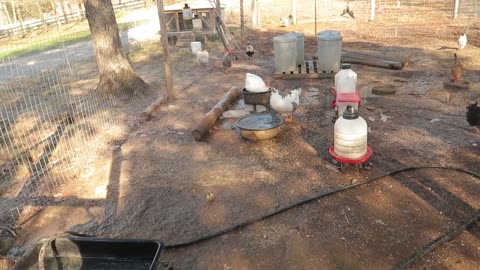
point(262, 126)
point(252, 98)
point(89, 253)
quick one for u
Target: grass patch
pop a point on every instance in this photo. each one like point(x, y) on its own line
point(52, 38)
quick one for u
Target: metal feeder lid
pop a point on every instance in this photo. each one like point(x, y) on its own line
point(284, 39)
point(329, 35)
point(350, 113)
point(346, 66)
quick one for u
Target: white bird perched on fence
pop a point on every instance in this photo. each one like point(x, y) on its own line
point(462, 41)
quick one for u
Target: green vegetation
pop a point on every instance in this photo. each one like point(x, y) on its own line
point(43, 40)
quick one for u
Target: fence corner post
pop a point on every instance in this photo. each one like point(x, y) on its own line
point(455, 11)
point(372, 10)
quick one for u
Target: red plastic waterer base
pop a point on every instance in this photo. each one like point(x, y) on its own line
point(350, 161)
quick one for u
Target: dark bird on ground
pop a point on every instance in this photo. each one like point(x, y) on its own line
point(473, 116)
point(172, 40)
point(456, 69)
point(250, 51)
point(348, 11)
point(226, 61)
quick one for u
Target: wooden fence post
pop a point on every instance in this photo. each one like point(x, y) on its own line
point(166, 56)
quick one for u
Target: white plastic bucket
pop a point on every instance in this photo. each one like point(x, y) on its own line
point(196, 46)
point(197, 24)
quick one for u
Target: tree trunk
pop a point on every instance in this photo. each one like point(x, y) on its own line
point(115, 72)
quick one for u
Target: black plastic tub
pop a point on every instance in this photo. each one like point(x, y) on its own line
point(255, 99)
point(82, 253)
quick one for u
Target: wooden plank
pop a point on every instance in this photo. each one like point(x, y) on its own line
point(368, 59)
point(177, 20)
point(289, 76)
point(309, 70)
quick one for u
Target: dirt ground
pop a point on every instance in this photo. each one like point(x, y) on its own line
point(153, 183)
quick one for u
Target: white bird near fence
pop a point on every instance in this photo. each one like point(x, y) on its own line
point(462, 41)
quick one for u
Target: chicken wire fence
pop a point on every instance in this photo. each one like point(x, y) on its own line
point(385, 18)
point(51, 119)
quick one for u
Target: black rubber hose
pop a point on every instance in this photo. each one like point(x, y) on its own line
point(437, 242)
point(411, 259)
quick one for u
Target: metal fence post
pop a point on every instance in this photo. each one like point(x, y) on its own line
point(294, 11)
point(372, 10)
point(455, 11)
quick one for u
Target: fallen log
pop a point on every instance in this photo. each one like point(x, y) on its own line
point(209, 119)
point(152, 107)
point(372, 60)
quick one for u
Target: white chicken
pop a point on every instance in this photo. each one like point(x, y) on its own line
point(285, 105)
point(462, 41)
point(287, 21)
point(202, 57)
point(255, 84)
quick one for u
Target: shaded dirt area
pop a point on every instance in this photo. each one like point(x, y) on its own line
point(154, 182)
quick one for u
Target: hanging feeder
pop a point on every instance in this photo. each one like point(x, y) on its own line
point(187, 13)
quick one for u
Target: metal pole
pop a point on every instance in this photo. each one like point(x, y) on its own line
point(294, 11)
point(315, 17)
point(253, 8)
point(242, 20)
point(372, 10)
point(259, 17)
point(219, 8)
point(164, 41)
point(455, 11)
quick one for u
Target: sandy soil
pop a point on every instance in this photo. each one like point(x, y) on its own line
point(153, 183)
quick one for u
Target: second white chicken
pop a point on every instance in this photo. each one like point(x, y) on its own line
point(285, 104)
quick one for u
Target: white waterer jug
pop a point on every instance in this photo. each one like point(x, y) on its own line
point(346, 80)
point(350, 135)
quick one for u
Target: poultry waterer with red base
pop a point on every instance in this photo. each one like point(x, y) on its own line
point(350, 139)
